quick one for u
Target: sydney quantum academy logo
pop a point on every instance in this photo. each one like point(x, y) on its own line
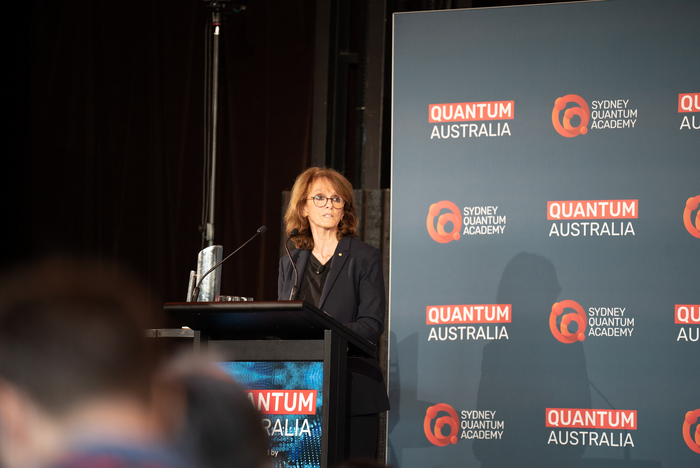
point(690, 206)
point(691, 418)
point(444, 226)
point(562, 332)
point(434, 435)
point(578, 118)
point(452, 216)
point(581, 110)
point(599, 322)
point(474, 424)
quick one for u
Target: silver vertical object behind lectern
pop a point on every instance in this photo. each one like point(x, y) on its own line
point(210, 288)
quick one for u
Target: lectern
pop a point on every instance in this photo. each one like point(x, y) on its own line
point(285, 331)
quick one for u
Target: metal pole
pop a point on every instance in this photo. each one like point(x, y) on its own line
point(216, 22)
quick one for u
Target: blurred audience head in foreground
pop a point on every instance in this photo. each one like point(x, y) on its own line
point(76, 368)
point(219, 427)
point(363, 463)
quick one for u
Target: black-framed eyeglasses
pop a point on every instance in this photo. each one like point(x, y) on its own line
point(321, 201)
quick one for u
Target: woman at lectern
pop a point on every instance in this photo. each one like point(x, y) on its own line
point(344, 277)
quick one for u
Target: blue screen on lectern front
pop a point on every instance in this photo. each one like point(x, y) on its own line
point(289, 395)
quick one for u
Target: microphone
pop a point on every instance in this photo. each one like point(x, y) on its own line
point(195, 294)
point(293, 294)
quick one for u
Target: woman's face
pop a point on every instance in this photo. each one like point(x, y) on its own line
point(326, 217)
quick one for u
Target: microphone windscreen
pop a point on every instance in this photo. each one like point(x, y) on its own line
point(294, 232)
point(262, 229)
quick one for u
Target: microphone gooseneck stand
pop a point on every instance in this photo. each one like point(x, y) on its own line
point(293, 294)
point(195, 293)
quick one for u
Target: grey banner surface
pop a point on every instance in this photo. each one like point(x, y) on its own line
point(545, 262)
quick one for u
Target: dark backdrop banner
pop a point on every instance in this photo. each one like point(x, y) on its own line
point(114, 168)
point(545, 279)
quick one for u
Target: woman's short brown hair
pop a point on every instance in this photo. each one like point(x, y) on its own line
point(294, 217)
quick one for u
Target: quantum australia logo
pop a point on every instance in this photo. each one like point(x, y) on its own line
point(615, 426)
point(468, 322)
point(689, 103)
point(562, 333)
point(435, 435)
point(688, 314)
point(443, 116)
point(285, 402)
point(453, 216)
point(690, 206)
point(582, 111)
point(581, 217)
point(691, 417)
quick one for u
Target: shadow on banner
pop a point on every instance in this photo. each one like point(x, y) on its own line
point(530, 372)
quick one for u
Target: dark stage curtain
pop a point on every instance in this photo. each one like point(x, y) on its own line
point(114, 166)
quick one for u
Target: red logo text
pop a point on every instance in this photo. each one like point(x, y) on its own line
point(592, 209)
point(592, 418)
point(688, 314)
point(689, 102)
point(482, 313)
point(471, 111)
point(283, 401)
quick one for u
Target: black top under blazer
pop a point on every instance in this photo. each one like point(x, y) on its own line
point(354, 295)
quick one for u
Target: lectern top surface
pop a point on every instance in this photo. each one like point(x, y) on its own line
point(284, 320)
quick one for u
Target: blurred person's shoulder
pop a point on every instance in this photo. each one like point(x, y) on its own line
point(121, 456)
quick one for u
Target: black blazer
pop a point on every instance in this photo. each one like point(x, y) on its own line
point(354, 295)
